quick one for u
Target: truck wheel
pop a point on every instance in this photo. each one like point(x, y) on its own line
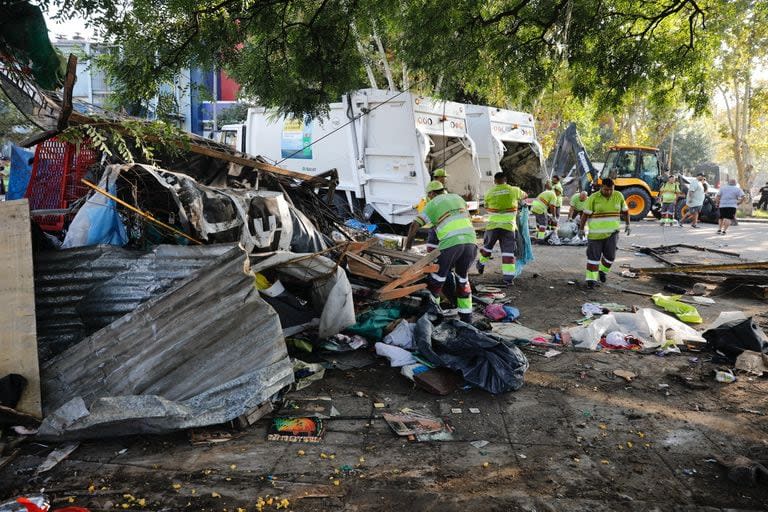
point(638, 202)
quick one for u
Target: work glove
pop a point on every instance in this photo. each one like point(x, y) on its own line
point(627, 230)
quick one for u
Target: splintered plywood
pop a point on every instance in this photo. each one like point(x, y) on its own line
point(18, 336)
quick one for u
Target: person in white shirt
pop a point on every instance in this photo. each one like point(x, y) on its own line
point(729, 197)
point(694, 200)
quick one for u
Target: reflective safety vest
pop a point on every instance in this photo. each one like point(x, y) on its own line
point(448, 214)
point(543, 202)
point(559, 187)
point(669, 192)
point(501, 202)
point(576, 203)
point(604, 214)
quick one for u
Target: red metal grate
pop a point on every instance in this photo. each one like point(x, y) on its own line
point(55, 182)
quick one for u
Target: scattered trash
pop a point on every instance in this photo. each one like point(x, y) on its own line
point(417, 425)
point(479, 444)
point(56, 456)
point(474, 410)
point(725, 376)
point(296, 430)
point(628, 274)
point(306, 373)
point(456, 410)
point(744, 470)
point(683, 311)
point(378, 405)
point(552, 353)
point(733, 337)
point(702, 300)
point(438, 381)
point(316, 407)
point(344, 343)
point(625, 374)
point(495, 312)
point(401, 336)
point(752, 362)
point(397, 356)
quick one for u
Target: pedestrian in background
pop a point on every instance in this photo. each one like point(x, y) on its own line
point(728, 199)
point(763, 203)
point(694, 200)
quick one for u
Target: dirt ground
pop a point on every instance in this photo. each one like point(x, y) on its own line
point(575, 437)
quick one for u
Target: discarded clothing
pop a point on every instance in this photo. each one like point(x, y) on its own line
point(619, 341)
point(306, 373)
point(485, 360)
point(371, 324)
point(401, 335)
point(397, 356)
point(495, 312)
point(685, 312)
point(344, 343)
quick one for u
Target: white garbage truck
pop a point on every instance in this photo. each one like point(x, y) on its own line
point(384, 145)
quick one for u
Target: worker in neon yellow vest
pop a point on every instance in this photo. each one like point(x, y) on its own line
point(432, 242)
point(669, 193)
point(602, 214)
point(456, 241)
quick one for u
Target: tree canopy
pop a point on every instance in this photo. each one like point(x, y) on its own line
point(299, 55)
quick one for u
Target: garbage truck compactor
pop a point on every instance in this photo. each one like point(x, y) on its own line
point(386, 146)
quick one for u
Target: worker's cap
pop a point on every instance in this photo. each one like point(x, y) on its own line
point(701, 175)
point(440, 173)
point(434, 186)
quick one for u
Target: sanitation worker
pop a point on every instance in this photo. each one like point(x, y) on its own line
point(501, 202)
point(669, 193)
point(544, 208)
point(456, 241)
point(432, 242)
point(578, 200)
point(557, 186)
point(602, 215)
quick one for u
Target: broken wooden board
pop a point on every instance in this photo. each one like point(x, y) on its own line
point(686, 269)
point(18, 337)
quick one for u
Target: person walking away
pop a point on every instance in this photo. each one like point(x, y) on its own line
point(694, 200)
point(456, 241)
point(728, 199)
point(669, 193)
point(577, 202)
point(602, 215)
point(763, 203)
point(543, 208)
point(501, 202)
point(432, 242)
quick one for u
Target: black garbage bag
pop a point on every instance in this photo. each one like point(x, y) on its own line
point(485, 361)
point(11, 388)
point(733, 338)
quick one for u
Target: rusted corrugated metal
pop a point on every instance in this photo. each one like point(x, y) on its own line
point(79, 291)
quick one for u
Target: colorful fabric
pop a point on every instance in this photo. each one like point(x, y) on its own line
point(501, 202)
point(543, 202)
point(669, 192)
point(448, 213)
point(604, 214)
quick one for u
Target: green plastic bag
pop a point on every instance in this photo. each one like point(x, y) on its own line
point(371, 324)
point(685, 312)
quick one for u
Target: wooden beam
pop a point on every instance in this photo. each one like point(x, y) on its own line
point(248, 162)
point(416, 271)
point(685, 269)
point(400, 292)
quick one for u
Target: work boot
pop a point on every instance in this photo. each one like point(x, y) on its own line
point(591, 285)
point(602, 276)
point(509, 280)
point(480, 267)
point(465, 317)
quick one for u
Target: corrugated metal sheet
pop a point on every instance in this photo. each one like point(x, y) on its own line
point(79, 291)
point(204, 353)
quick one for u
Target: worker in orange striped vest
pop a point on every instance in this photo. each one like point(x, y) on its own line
point(432, 241)
point(543, 208)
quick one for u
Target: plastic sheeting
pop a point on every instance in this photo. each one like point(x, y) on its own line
point(21, 171)
point(97, 222)
point(330, 286)
point(204, 353)
point(524, 249)
point(485, 360)
point(652, 327)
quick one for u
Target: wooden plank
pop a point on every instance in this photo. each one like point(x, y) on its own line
point(366, 263)
point(360, 270)
point(415, 270)
point(401, 292)
point(752, 265)
point(397, 255)
point(18, 337)
point(248, 162)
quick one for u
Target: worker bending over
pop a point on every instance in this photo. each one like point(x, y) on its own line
point(456, 241)
point(604, 210)
point(544, 208)
point(578, 200)
point(501, 202)
point(432, 242)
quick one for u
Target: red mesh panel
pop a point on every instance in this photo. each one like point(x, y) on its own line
point(55, 181)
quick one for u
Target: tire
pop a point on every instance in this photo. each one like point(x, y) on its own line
point(638, 201)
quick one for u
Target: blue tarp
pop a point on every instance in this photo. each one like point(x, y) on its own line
point(97, 222)
point(524, 252)
point(21, 170)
